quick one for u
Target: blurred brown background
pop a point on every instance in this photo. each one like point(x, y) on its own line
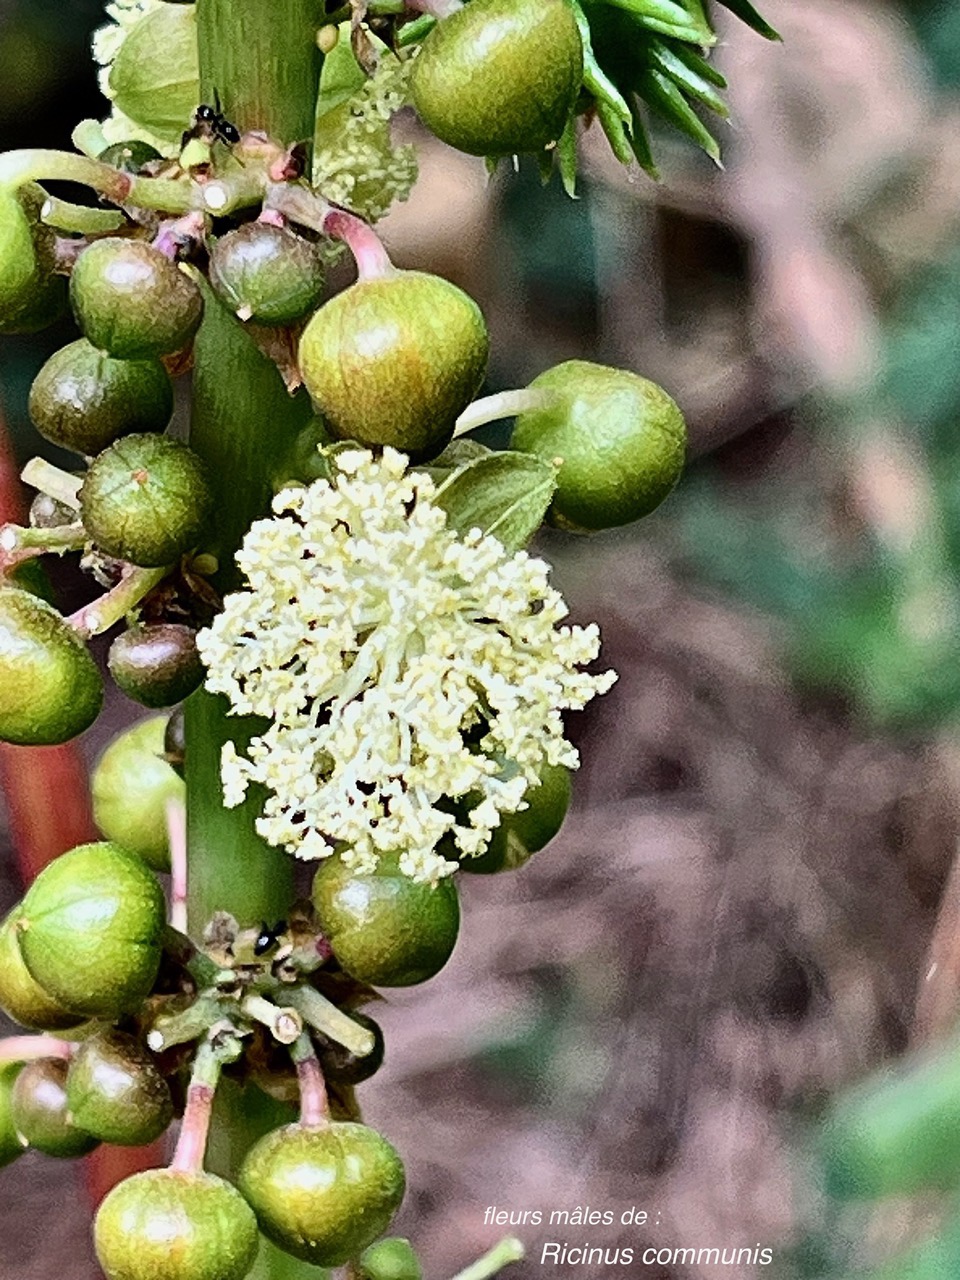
point(736, 920)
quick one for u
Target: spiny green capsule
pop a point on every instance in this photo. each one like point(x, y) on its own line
point(394, 360)
point(500, 77)
point(90, 929)
point(21, 996)
point(32, 296)
point(116, 1092)
point(41, 1113)
point(132, 785)
point(131, 301)
point(266, 274)
point(170, 1225)
point(84, 400)
point(50, 688)
point(618, 440)
point(323, 1194)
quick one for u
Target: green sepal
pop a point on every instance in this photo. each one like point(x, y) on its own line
point(504, 494)
point(745, 11)
point(567, 157)
point(687, 78)
point(640, 141)
point(616, 131)
point(665, 98)
point(595, 79)
point(700, 65)
point(669, 19)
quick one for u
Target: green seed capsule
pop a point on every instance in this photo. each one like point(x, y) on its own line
point(323, 1194)
point(21, 996)
point(41, 1113)
point(521, 835)
point(11, 1144)
point(168, 1225)
point(394, 360)
point(32, 296)
point(132, 785)
point(116, 1093)
point(618, 440)
point(391, 1259)
point(385, 929)
point(156, 665)
point(90, 930)
point(146, 500)
point(500, 77)
point(131, 301)
point(50, 688)
point(84, 400)
point(266, 274)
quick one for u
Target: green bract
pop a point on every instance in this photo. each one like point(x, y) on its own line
point(618, 440)
point(385, 928)
point(155, 77)
point(266, 274)
point(391, 1259)
point(90, 929)
point(132, 785)
point(84, 400)
point(146, 499)
point(11, 1144)
point(50, 688)
point(41, 1113)
point(323, 1194)
point(116, 1092)
point(522, 834)
point(500, 76)
point(31, 295)
point(21, 996)
point(394, 360)
point(131, 301)
point(168, 1225)
point(156, 665)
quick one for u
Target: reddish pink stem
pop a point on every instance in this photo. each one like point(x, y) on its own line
point(30, 1048)
point(192, 1142)
point(362, 241)
point(314, 1106)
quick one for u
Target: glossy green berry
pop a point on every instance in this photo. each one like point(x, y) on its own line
point(41, 1112)
point(50, 688)
point(21, 996)
point(116, 1092)
point(169, 1225)
point(90, 929)
point(146, 499)
point(155, 77)
point(84, 400)
point(384, 928)
point(394, 360)
point(131, 301)
point(619, 442)
point(522, 834)
point(32, 296)
point(11, 1144)
point(156, 665)
point(132, 785)
point(341, 1066)
point(390, 1259)
point(500, 76)
point(323, 1194)
point(266, 274)
point(129, 157)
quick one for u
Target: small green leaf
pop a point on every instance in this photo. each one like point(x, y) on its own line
point(595, 79)
point(567, 157)
point(617, 135)
point(664, 59)
point(668, 19)
point(640, 141)
point(504, 494)
point(745, 11)
point(666, 99)
point(700, 65)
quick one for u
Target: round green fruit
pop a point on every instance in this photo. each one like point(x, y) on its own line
point(619, 442)
point(132, 785)
point(11, 1144)
point(500, 77)
point(323, 1194)
point(157, 665)
point(384, 928)
point(522, 834)
point(41, 1113)
point(394, 360)
point(146, 500)
point(90, 930)
point(169, 1225)
point(175, 742)
point(84, 400)
point(50, 688)
point(21, 996)
point(116, 1092)
point(155, 77)
point(32, 296)
point(131, 301)
point(390, 1259)
point(266, 274)
point(341, 1066)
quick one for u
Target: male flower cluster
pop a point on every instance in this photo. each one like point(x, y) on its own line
point(414, 678)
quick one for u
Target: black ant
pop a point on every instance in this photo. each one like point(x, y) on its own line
point(211, 125)
point(268, 938)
